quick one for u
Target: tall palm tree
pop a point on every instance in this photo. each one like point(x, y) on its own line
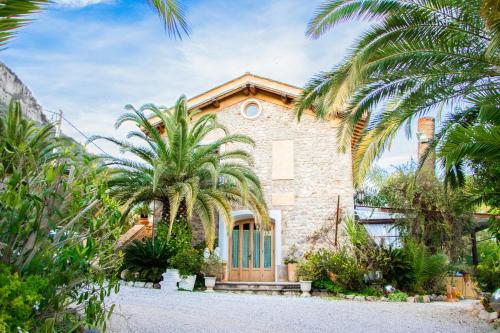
point(14, 13)
point(182, 169)
point(419, 56)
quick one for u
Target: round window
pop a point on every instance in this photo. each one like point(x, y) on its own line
point(251, 109)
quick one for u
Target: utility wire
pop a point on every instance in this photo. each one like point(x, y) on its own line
point(81, 133)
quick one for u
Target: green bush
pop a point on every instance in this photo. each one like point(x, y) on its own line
point(429, 269)
point(338, 266)
point(57, 221)
point(20, 300)
point(212, 266)
point(488, 270)
point(399, 270)
point(370, 291)
point(328, 285)
point(188, 261)
point(149, 259)
point(398, 296)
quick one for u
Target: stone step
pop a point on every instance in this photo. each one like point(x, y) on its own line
point(268, 288)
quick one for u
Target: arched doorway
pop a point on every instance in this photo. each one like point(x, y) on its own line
point(251, 252)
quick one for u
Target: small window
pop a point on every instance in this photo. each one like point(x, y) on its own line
point(251, 109)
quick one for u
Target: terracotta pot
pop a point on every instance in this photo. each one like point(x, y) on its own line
point(292, 272)
point(210, 283)
point(143, 220)
point(223, 276)
point(305, 287)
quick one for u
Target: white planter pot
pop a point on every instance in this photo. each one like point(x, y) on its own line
point(187, 282)
point(209, 283)
point(305, 288)
point(170, 279)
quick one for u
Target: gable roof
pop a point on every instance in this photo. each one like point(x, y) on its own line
point(251, 84)
point(245, 83)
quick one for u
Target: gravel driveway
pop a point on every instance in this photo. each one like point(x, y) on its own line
point(150, 310)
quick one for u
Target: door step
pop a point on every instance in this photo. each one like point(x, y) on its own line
point(263, 288)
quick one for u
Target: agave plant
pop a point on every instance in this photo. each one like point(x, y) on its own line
point(183, 170)
point(419, 56)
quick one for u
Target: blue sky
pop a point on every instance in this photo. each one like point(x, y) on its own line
point(89, 58)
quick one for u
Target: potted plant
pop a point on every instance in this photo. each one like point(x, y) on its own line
point(212, 267)
point(143, 211)
point(291, 261)
point(188, 261)
point(306, 273)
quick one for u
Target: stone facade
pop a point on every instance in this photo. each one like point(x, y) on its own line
point(302, 173)
point(321, 173)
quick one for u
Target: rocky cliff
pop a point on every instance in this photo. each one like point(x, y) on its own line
point(12, 87)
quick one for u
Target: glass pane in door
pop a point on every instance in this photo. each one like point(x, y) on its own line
point(267, 249)
point(256, 249)
point(246, 245)
point(236, 247)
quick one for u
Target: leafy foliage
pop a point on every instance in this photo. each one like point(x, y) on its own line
point(426, 212)
point(181, 170)
point(20, 300)
point(418, 57)
point(398, 296)
point(429, 269)
point(13, 15)
point(488, 270)
point(149, 259)
point(338, 266)
point(212, 265)
point(188, 261)
point(57, 221)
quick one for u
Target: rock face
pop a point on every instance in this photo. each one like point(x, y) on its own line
point(11, 87)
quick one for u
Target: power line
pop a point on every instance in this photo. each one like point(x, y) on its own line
point(81, 132)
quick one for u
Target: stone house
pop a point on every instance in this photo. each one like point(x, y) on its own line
point(306, 181)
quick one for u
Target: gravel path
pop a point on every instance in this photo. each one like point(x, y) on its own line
point(150, 310)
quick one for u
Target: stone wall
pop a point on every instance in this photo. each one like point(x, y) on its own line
point(308, 201)
point(11, 87)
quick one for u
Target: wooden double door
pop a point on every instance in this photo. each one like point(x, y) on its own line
point(251, 253)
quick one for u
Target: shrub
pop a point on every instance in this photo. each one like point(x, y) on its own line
point(187, 261)
point(338, 266)
point(292, 257)
point(20, 300)
point(212, 265)
point(328, 285)
point(148, 258)
point(58, 222)
point(370, 291)
point(488, 270)
point(306, 270)
point(399, 270)
point(398, 296)
point(429, 269)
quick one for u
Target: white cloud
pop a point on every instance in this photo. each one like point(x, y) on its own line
point(97, 66)
point(79, 3)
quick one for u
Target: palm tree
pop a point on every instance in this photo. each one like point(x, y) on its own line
point(420, 55)
point(13, 15)
point(184, 171)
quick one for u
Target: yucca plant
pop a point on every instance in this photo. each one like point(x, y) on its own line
point(418, 56)
point(182, 169)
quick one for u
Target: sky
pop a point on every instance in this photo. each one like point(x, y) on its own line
point(89, 58)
